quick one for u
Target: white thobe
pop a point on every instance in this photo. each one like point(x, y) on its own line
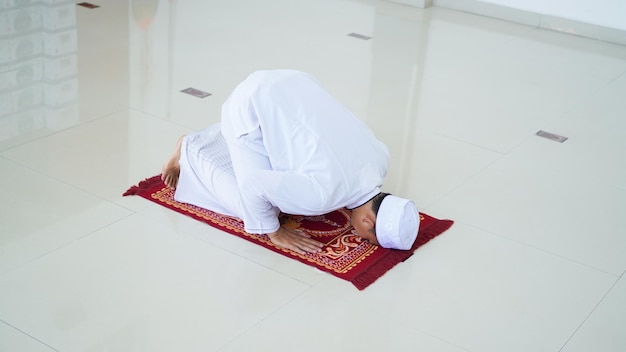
point(291, 147)
point(206, 178)
point(296, 149)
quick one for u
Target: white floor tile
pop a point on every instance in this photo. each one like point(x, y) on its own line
point(596, 129)
point(571, 53)
point(588, 153)
point(323, 325)
point(604, 329)
point(41, 214)
point(14, 340)
point(481, 292)
point(104, 157)
point(455, 39)
point(500, 100)
point(231, 243)
point(134, 286)
point(563, 214)
point(428, 166)
point(528, 266)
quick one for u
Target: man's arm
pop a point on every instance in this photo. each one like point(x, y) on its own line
point(259, 215)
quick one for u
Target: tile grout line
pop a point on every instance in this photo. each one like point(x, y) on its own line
point(39, 172)
point(85, 123)
point(279, 308)
point(72, 186)
point(619, 76)
point(425, 332)
point(499, 157)
point(250, 260)
point(159, 118)
point(465, 142)
point(589, 315)
point(464, 182)
point(29, 335)
point(544, 251)
point(61, 247)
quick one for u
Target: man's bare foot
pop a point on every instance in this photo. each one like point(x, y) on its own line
point(171, 169)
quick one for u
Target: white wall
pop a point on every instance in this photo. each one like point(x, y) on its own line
point(605, 13)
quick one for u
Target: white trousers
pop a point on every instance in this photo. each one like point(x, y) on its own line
point(207, 179)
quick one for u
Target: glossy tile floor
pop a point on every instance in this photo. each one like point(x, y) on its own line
point(90, 103)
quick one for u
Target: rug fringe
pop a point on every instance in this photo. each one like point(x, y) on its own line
point(368, 277)
point(365, 279)
point(435, 229)
point(147, 183)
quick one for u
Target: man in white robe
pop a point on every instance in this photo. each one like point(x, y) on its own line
point(284, 144)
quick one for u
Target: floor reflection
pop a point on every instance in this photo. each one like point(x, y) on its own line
point(38, 68)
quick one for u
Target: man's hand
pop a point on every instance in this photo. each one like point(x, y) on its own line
point(295, 240)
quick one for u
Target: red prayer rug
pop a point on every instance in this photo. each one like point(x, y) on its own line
point(345, 255)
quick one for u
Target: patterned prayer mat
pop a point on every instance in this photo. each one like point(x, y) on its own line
point(344, 255)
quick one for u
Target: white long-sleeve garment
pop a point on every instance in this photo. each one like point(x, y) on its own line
point(296, 149)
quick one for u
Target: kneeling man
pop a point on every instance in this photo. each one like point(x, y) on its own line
point(285, 144)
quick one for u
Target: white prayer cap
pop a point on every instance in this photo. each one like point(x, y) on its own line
point(397, 223)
